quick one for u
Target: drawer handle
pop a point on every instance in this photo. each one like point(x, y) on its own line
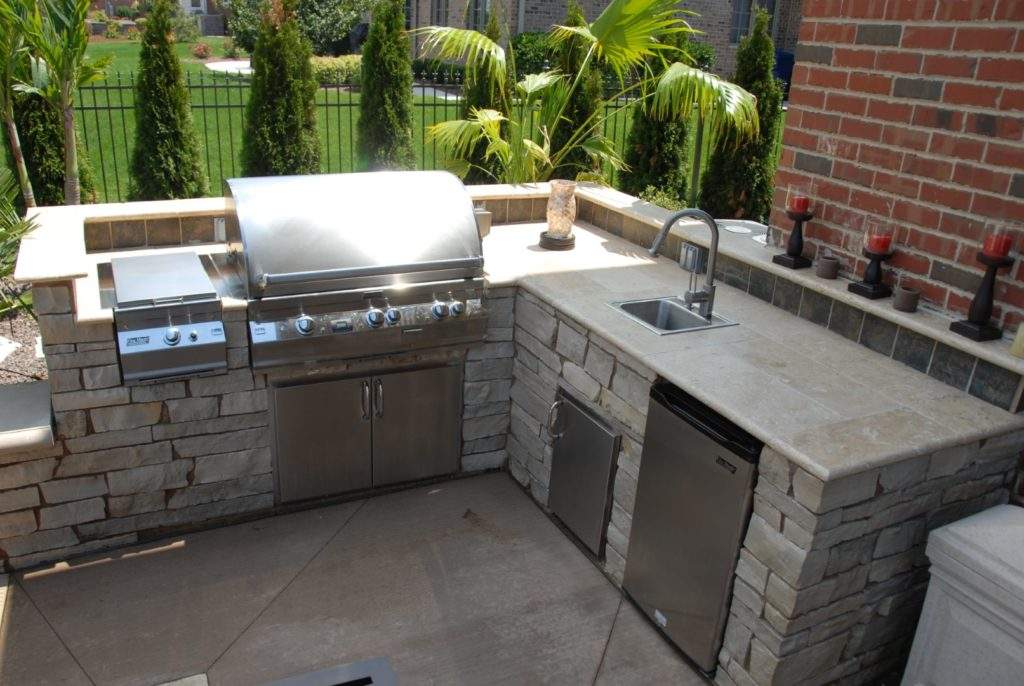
point(379, 385)
point(366, 401)
point(553, 419)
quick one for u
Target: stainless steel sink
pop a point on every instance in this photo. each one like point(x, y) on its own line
point(669, 315)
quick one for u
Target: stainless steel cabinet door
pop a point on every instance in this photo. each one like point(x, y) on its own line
point(323, 438)
point(417, 424)
point(581, 471)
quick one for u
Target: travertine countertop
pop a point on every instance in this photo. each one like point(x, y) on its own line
point(828, 404)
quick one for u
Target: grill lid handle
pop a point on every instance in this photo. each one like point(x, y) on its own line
point(355, 272)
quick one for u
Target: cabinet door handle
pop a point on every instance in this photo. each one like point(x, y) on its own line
point(379, 400)
point(553, 419)
point(366, 400)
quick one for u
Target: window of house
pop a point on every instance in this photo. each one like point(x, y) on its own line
point(440, 13)
point(197, 4)
point(478, 14)
point(740, 25)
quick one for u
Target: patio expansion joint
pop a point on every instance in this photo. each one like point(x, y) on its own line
point(286, 586)
point(607, 641)
point(14, 580)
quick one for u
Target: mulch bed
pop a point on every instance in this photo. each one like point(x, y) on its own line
point(22, 364)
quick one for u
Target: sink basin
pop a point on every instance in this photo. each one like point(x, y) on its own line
point(669, 315)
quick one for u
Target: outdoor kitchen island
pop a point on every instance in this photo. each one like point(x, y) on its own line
point(862, 455)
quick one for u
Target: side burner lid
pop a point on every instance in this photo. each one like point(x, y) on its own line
point(150, 280)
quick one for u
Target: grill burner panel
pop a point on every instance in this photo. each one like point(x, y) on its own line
point(341, 266)
point(167, 316)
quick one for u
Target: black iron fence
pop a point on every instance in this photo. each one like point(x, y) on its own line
point(106, 116)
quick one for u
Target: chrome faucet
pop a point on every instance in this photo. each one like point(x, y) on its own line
point(705, 297)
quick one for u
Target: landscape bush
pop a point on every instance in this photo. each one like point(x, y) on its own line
point(325, 23)
point(112, 31)
point(280, 134)
point(739, 180)
point(385, 111)
point(229, 48)
point(166, 161)
point(201, 51)
point(532, 51)
point(42, 143)
point(343, 69)
point(126, 11)
point(184, 26)
point(585, 101)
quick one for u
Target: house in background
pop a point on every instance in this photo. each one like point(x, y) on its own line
point(723, 22)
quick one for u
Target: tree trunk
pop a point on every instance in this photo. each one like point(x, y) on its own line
point(19, 160)
point(72, 191)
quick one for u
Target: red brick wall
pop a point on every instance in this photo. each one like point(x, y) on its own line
point(912, 110)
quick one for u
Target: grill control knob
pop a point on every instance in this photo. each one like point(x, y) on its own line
point(393, 315)
point(304, 325)
point(193, 336)
point(457, 308)
point(172, 336)
point(375, 318)
point(439, 310)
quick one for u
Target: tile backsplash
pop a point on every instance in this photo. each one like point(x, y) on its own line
point(124, 234)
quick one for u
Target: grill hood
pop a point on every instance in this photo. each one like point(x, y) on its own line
point(330, 232)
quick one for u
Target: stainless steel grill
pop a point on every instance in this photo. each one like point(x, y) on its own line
point(167, 314)
point(353, 265)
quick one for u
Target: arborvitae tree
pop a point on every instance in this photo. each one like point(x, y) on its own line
point(584, 101)
point(656, 150)
point(280, 130)
point(166, 161)
point(42, 142)
point(739, 178)
point(385, 107)
point(481, 93)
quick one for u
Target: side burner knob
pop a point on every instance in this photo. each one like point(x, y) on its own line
point(304, 325)
point(439, 310)
point(393, 315)
point(172, 336)
point(375, 318)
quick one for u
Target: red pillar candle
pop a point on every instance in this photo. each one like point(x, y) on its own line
point(799, 203)
point(997, 244)
point(879, 243)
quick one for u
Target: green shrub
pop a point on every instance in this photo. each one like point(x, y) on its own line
point(481, 92)
point(327, 23)
point(231, 51)
point(98, 15)
point(42, 142)
point(344, 69)
point(112, 31)
point(244, 22)
point(584, 102)
point(738, 182)
point(656, 151)
point(385, 110)
point(166, 160)
point(126, 11)
point(280, 130)
point(663, 198)
point(184, 26)
point(532, 52)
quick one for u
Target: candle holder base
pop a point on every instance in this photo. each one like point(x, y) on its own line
point(549, 242)
point(871, 291)
point(798, 262)
point(976, 332)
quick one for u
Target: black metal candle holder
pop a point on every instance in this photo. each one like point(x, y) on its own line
point(872, 287)
point(978, 325)
point(793, 257)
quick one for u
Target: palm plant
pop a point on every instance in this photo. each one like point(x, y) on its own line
point(624, 39)
point(56, 32)
point(13, 68)
point(12, 228)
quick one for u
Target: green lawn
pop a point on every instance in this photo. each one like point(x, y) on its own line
point(124, 53)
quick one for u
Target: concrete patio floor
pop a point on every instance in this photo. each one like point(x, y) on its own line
point(465, 582)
